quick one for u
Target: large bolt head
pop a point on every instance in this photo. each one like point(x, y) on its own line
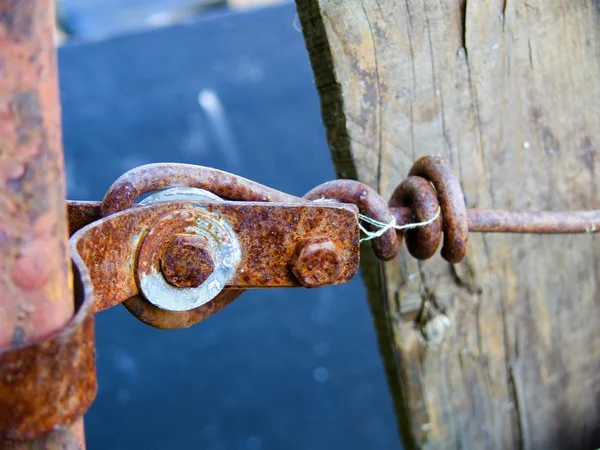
point(317, 262)
point(187, 261)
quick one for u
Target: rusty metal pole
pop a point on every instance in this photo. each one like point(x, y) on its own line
point(36, 293)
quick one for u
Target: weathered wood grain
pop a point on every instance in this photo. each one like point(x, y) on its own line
point(502, 350)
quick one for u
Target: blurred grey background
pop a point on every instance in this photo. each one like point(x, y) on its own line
point(166, 80)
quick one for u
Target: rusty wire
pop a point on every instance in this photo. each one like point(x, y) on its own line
point(430, 187)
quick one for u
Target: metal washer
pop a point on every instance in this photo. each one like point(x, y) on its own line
point(222, 241)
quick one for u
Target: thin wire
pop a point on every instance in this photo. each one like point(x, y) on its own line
point(384, 227)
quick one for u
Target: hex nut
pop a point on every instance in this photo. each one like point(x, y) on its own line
point(316, 262)
point(187, 261)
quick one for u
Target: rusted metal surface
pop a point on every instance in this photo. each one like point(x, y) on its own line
point(187, 261)
point(81, 214)
point(451, 202)
point(419, 196)
point(534, 222)
point(258, 238)
point(195, 222)
point(139, 181)
point(47, 385)
point(288, 242)
point(269, 235)
point(431, 189)
point(555, 222)
point(34, 268)
point(168, 320)
point(36, 297)
point(152, 177)
point(369, 203)
point(317, 262)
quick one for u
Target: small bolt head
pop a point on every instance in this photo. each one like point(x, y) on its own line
point(187, 261)
point(317, 262)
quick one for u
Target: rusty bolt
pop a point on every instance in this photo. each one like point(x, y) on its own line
point(317, 262)
point(187, 261)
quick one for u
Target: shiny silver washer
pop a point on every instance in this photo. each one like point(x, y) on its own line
point(223, 243)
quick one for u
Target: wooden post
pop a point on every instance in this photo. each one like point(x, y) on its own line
point(502, 350)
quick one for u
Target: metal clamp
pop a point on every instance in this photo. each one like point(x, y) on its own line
point(206, 235)
point(49, 384)
point(134, 254)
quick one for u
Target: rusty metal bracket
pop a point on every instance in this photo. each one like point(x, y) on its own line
point(194, 246)
point(146, 250)
point(49, 384)
point(122, 250)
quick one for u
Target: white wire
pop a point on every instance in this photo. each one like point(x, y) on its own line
point(384, 227)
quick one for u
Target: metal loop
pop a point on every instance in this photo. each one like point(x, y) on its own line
point(424, 202)
point(418, 194)
point(452, 204)
point(153, 177)
point(49, 384)
point(369, 203)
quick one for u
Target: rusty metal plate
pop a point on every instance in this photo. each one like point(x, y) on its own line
point(81, 214)
point(270, 235)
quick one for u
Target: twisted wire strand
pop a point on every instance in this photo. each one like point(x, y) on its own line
point(370, 204)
